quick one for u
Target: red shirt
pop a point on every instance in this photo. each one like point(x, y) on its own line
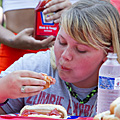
point(9, 55)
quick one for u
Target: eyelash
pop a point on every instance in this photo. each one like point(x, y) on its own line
point(76, 47)
point(80, 51)
point(61, 43)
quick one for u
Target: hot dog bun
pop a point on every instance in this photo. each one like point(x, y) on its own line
point(49, 81)
point(110, 117)
point(101, 115)
point(44, 110)
point(117, 111)
point(114, 104)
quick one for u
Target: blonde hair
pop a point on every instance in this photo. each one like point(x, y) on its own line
point(52, 58)
point(95, 23)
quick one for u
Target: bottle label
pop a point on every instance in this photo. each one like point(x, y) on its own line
point(108, 91)
point(109, 83)
point(46, 28)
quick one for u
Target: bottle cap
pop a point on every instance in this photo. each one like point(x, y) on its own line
point(112, 55)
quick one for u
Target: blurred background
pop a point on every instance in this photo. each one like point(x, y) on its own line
point(0, 2)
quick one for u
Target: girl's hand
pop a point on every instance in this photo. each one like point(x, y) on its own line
point(12, 84)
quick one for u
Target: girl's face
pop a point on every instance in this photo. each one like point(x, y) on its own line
point(77, 63)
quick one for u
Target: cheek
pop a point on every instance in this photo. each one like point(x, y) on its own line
point(57, 52)
point(56, 48)
point(88, 65)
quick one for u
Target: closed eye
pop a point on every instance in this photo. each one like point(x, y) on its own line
point(61, 40)
point(81, 51)
point(62, 43)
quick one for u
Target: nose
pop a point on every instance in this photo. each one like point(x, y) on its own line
point(67, 54)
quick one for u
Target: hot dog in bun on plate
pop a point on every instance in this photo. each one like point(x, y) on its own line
point(44, 110)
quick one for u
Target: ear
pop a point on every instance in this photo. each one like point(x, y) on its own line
point(110, 50)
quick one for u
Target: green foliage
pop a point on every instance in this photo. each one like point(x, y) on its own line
point(0, 2)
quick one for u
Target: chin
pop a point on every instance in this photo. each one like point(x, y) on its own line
point(64, 77)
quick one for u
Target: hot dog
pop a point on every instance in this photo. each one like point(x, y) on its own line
point(44, 110)
point(49, 81)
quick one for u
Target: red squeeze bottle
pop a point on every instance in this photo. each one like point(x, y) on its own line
point(43, 29)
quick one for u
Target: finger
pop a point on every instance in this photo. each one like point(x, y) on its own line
point(52, 9)
point(26, 73)
point(53, 2)
point(55, 7)
point(32, 89)
point(57, 21)
point(51, 44)
point(32, 81)
point(48, 39)
point(45, 42)
point(30, 94)
point(29, 31)
point(55, 16)
point(42, 44)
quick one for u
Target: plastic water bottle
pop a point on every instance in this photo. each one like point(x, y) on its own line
point(108, 83)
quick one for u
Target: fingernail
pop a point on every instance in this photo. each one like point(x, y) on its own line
point(48, 18)
point(47, 5)
point(44, 11)
point(55, 21)
point(44, 82)
point(41, 87)
point(52, 36)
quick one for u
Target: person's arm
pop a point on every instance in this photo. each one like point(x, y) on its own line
point(11, 85)
point(24, 39)
point(5, 35)
point(23, 79)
